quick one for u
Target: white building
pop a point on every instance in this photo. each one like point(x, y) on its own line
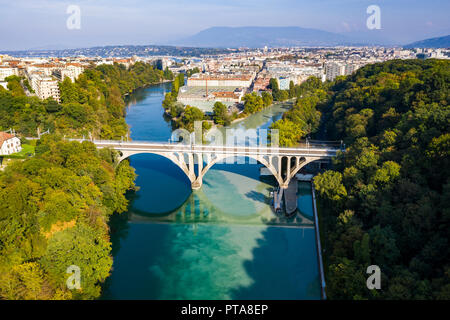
point(333, 70)
point(9, 144)
point(45, 68)
point(6, 71)
point(283, 83)
point(72, 71)
point(45, 87)
point(350, 68)
point(237, 81)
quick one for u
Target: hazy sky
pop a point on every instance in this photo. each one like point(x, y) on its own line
point(28, 24)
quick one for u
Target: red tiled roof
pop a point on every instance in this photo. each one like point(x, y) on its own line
point(4, 137)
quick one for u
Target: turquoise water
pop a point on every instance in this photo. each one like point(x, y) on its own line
point(220, 242)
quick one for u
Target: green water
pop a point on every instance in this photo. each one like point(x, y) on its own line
point(220, 242)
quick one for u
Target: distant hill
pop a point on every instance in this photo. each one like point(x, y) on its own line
point(440, 42)
point(258, 37)
point(119, 51)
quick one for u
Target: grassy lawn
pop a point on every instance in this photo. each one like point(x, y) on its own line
point(23, 154)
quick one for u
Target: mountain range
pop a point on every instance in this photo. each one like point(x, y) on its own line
point(258, 37)
point(439, 42)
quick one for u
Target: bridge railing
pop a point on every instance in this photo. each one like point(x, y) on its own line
point(304, 146)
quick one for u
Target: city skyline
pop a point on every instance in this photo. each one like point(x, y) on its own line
point(42, 24)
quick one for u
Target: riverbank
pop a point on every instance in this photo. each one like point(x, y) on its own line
point(146, 86)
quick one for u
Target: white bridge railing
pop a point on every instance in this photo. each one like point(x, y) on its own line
point(304, 149)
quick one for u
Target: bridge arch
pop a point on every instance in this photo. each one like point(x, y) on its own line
point(205, 161)
point(219, 157)
point(175, 157)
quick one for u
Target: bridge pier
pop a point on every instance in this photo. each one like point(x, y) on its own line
point(197, 184)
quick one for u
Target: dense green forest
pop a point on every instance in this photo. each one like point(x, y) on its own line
point(303, 119)
point(386, 201)
point(54, 212)
point(55, 207)
point(92, 105)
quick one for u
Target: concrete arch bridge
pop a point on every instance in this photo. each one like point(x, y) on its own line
point(205, 156)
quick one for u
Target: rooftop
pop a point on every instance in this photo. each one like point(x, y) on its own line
point(4, 137)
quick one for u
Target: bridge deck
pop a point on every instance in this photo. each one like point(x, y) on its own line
point(237, 150)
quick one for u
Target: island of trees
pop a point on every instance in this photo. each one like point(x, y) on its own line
point(184, 116)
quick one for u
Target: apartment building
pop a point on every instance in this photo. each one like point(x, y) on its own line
point(203, 80)
point(45, 86)
point(333, 70)
point(6, 71)
point(71, 70)
point(350, 68)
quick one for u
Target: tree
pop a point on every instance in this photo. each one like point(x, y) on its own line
point(83, 247)
point(190, 72)
point(52, 106)
point(267, 98)
point(329, 185)
point(393, 117)
point(283, 95)
point(252, 103)
point(220, 113)
point(68, 91)
point(168, 75)
point(291, 89)
point(190, 115)
point(54, 214)
point(346, 280)
point(273, 84)
point(289, 133)
point(14, 86)
point(168, 101)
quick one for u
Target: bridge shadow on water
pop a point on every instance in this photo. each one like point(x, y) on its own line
point(283, 267)
point(257, 196)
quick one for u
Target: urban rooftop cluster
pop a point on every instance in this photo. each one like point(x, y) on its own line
point(223, 77)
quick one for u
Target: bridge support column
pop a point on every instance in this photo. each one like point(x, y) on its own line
point(198, 182)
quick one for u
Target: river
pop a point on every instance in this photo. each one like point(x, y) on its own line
point(220, 242)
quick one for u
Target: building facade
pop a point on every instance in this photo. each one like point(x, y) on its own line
point(45, 87)
point(9, 144)
point(72, 71)
point(200, 80)
point(5, 72)
point(333, 70)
